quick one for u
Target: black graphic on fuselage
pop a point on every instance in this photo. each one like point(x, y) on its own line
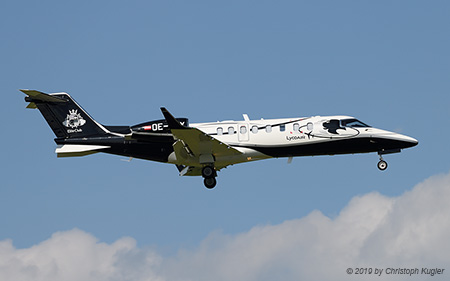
point(332, 126)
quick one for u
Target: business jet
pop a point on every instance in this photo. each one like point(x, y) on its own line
point(203, 149)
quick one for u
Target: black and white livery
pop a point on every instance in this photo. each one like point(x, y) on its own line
point(203, 149)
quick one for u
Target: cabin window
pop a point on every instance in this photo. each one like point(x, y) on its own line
point(255, 129)
point(282, 127)
point(231, 130)
point(219, 131)
point(309, 126)
point(268, 129)
point(296, 127)
point(243, 130)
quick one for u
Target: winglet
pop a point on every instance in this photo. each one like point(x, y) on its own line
point(171, 121)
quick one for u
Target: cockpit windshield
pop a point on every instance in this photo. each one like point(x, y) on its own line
point(353, 123)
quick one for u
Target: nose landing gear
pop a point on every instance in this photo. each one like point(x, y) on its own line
point(382, 165)
point(209, 175)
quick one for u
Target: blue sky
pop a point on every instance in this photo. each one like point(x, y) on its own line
point(386, 63)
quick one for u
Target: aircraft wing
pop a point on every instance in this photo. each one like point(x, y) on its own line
point(195, 146)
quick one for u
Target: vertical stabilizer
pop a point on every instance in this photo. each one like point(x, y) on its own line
point(64, 116)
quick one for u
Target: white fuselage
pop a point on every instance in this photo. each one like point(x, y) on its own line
point(307, 136)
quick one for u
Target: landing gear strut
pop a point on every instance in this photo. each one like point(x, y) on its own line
point(209, 175)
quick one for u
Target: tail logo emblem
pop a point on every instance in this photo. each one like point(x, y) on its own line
point(74, 119)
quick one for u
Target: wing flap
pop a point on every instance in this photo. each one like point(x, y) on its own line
point(191, 171)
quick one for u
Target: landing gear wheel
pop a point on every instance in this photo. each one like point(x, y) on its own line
point(209, 175)
point(382, 165)
point(210, 182)
point(208, 172)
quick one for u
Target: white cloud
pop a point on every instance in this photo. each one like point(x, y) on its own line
point(75, 255)
point(372, 231)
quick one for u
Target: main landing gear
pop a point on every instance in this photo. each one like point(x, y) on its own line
point(209, 175)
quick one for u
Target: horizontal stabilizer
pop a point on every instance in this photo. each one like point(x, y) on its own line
point(39, 96)
point(32, 105)
point(75, 150)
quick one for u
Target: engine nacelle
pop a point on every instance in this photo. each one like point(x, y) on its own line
point(157, 126)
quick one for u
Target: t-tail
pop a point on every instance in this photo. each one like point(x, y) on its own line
point(64, 116)
point(73, 126)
